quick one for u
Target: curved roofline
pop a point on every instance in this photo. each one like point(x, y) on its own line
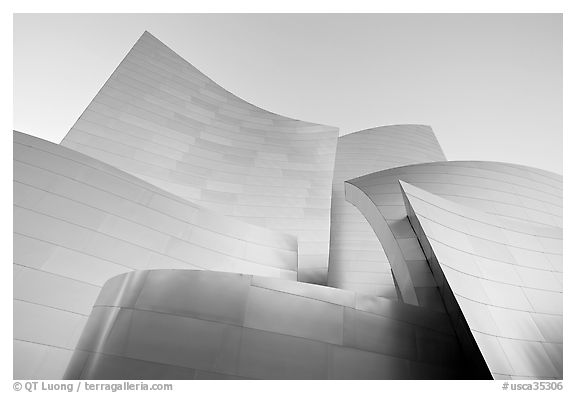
point(228, 91)
point(147, 33)
point(449, 162)
point(388, 125)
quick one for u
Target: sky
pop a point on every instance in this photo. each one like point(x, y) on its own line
point(490, 85)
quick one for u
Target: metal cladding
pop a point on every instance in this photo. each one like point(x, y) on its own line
point(503, 278)
point(182, 233)
point(508, 191)
point(79, 222)
point(167, 324)
point(159, 118)
point(357, 260)
point(486, 243)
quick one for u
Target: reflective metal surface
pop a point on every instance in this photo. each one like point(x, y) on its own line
point(525, 196)
point(160, 119)
point(496, 294)
point(242, 330)
point(79, 222)
point(357, 260)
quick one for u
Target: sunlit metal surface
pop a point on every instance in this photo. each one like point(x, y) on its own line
point(159, 118)
point(510, 192)
point(357, 260)
point(205, 325)
point(79, 222)
point(504, 279)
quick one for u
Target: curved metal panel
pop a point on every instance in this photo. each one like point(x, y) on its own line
point(509, 191)
point(78, 222)
point(523, 195)
point(357, 260)
point(501, 278)
point(393, 252)
point(160, 119)
point(252, 327)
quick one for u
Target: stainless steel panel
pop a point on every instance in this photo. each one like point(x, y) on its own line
point(534, 259)
point(38, 287)
point(82, 267)
point(546, 302)
point(326, 294)
point(122, 290)
point(59, 328)
point(555, 353)
point(36, 361)
point(457, 259)
point(166, 338)
point(493, 353)
point(379, 334)
point(515, 324)
point(529, 359)
point(220, 298)
point(478, 316)
point(294, 315)
point(491, 250)
point(498, 271)
point(349, 363)
point(411, 249)
point(507, 296)
point(550, 326)
point(266, 355)
point(107, 331)
point(539, 279)
point(105, 367)
point(31, 252)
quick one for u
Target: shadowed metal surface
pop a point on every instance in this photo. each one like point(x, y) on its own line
point(357, 260)
point(79, 222)
point(165, 324)
point(161, 119)
point(502, 279)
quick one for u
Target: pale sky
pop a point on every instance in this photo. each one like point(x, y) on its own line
point(490, 85)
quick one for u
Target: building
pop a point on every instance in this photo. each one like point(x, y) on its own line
point(179, 232)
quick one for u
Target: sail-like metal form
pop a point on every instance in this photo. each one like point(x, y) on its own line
point(160, 119)
point(501, 280)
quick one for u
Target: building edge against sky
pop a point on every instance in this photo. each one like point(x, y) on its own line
point(160, 119)
point(144, 181)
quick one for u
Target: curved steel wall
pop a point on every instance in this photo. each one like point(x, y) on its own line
point(357, 260)
point(512, 192)
point(161, 119)
point(507, 190)
point(78, 222)
point(204, 325)
point(500, 278)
